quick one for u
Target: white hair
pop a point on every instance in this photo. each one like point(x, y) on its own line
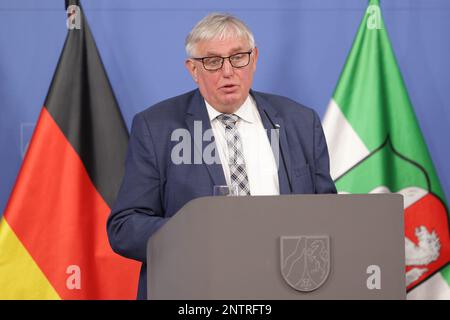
point(217, 26)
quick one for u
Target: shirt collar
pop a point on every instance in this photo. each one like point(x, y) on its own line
point(245, 111)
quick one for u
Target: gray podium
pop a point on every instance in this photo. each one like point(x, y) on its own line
point(281, 247)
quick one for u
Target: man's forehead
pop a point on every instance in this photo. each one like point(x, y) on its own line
point(222, 46)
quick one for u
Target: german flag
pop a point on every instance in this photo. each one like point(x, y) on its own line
point(53, 241)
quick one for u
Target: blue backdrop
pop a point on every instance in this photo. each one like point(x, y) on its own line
point(302, 45)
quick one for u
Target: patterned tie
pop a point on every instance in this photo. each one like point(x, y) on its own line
point(236, 162)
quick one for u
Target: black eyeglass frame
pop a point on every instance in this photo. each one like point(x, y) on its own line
point(223, 60)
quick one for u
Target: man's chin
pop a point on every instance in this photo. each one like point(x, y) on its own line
point(232, 100)
point(231, 106)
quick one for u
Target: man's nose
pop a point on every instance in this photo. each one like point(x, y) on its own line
point(227, 68)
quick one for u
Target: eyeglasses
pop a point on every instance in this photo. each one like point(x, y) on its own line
point(238, 60)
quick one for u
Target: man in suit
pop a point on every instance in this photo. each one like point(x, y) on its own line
point(263, 144)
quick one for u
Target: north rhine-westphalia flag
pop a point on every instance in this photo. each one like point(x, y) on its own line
point(376, 146)
point(53, 242)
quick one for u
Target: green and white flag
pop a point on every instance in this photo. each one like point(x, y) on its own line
point(376, 145)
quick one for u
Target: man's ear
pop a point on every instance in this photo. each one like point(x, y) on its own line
point(192, 68)
point(255, 57)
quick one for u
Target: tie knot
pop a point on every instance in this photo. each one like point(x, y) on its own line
point(229, 120)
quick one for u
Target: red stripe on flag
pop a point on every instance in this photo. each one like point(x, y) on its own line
point(60, 218)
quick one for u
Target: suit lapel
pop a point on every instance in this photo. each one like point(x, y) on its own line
point(196, 118)
point(196, 111)
point(271, 120)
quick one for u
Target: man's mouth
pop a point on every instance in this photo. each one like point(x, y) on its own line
point(229, 87)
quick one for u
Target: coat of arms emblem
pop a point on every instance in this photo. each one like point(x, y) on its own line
point(305, 261)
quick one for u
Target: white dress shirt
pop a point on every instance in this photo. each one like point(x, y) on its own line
point(260, 162)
